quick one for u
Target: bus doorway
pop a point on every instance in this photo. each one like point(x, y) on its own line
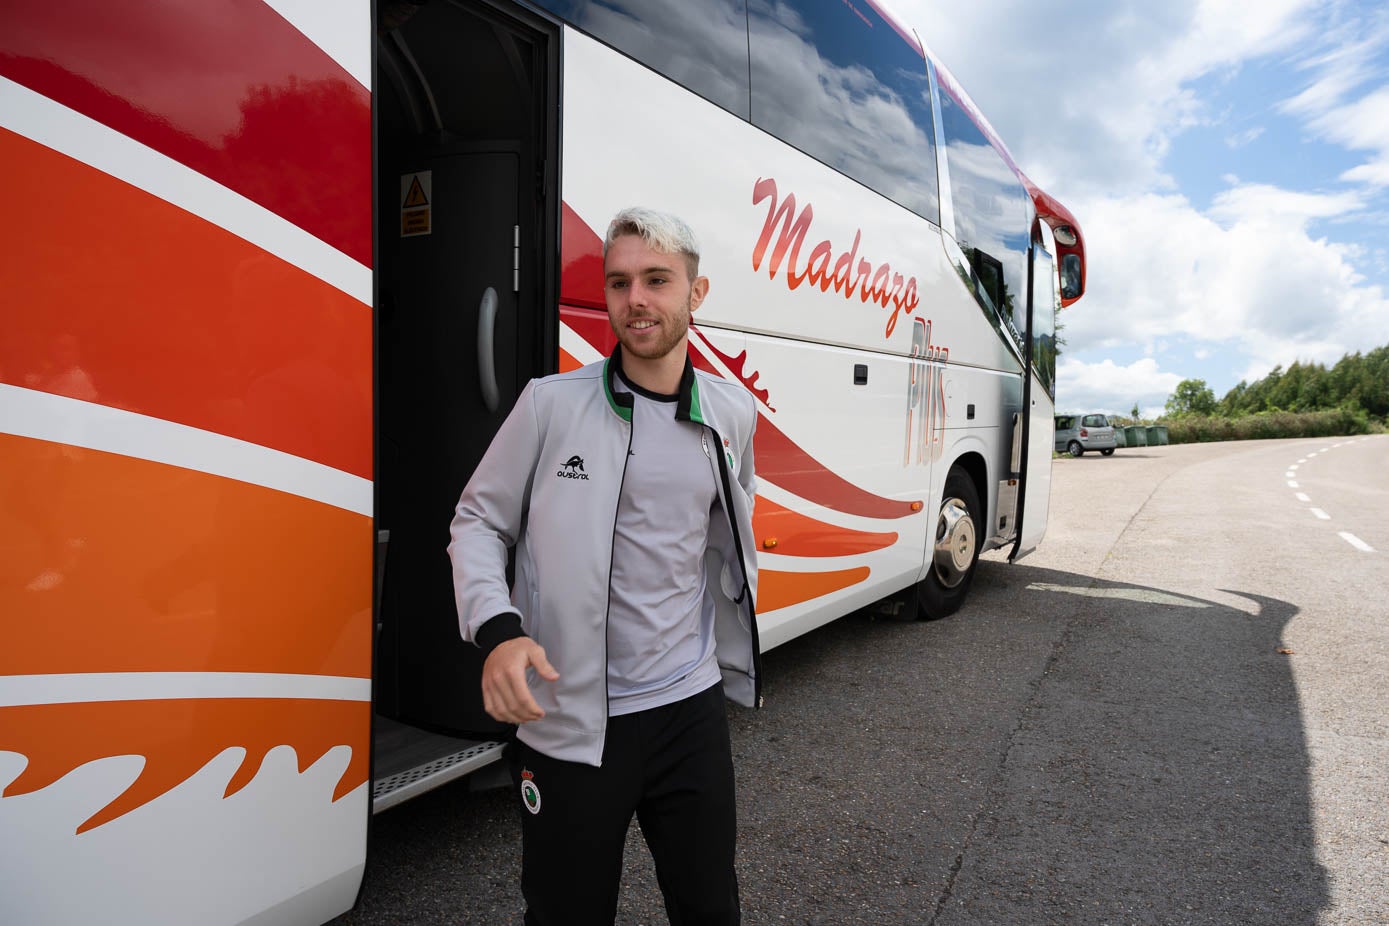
point(466, 258)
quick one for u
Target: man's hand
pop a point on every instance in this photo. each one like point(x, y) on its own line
point(504, 693)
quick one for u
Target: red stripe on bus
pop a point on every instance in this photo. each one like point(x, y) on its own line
point(177, 738)
point(226, 87)
point(123, 565)
point(593, 326)
point(791, 533)
point(581, 263)
point(119, 298)
point(784, 463)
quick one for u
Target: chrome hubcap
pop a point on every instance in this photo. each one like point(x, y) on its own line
point(954, 549)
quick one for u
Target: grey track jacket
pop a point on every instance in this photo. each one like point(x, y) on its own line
point(549, 485)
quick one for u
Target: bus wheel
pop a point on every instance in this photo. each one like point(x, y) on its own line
point(1074, 448)
point(955, 550)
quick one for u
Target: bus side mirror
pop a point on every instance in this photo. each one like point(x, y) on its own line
point(1071, 285)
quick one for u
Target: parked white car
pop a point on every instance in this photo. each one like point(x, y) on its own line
point(1076, 434)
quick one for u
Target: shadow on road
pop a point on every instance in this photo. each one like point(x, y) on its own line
point(1064, 750)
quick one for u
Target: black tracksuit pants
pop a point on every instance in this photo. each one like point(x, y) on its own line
point(672, 766)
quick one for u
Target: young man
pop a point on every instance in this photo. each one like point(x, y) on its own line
point(626, 488)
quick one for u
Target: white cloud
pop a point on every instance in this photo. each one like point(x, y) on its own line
point(1259, 278)
point(1362, 125)
point(1240, 139)
point(1107, 81)
point(1113, 389)
point(1256, 279)
point(1346, 58)
point(1259, 203)
point(1336, 106)
point(1374, 173)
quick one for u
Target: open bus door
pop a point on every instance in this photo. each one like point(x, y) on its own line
point(466, 153)
point(1037, 418)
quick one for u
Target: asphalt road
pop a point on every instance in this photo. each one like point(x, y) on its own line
point(1176, 711)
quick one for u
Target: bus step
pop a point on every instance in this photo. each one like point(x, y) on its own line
point(394, 789)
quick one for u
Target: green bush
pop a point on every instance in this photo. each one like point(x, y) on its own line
point(1334, 422)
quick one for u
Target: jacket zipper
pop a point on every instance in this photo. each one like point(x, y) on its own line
point(742, 567)
point(612, 548)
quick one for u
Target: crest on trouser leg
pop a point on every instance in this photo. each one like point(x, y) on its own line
point(530, 792)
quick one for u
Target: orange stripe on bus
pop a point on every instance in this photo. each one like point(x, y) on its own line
point(795, 534)
point(177, 738)
point(115, 564)
point(782, 589)
point(567, 361)
point(120, 298)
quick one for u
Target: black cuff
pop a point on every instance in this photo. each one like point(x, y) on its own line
point(497, 631)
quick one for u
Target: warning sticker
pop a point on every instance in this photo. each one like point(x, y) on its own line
point(416, 191)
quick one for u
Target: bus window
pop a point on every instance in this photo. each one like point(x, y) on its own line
point(992, 215)
point(703, 46)
point(841, 84)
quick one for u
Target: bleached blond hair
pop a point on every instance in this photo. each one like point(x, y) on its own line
point(660, 230)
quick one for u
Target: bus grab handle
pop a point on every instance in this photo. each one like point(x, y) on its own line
point(486, 362)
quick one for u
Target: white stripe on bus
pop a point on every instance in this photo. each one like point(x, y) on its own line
point(40, 415)
point(20, 690)
point(344, 39)
point(64, 130)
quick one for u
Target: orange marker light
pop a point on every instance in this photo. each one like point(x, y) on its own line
point(916, 506)
point(769, 543)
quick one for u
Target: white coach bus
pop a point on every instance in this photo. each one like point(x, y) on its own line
point(276, 270)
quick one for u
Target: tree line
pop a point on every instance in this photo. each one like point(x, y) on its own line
point(1305, 400)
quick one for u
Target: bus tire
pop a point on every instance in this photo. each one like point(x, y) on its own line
point(954, 550)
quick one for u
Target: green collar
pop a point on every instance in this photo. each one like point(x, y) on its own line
point(687, 406)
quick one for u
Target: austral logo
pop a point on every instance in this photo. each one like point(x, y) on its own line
point(573, 468)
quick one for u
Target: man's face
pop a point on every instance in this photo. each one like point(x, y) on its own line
point(650, 297)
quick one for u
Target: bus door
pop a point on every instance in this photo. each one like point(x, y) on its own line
point(1039, 393)
point(464, 204)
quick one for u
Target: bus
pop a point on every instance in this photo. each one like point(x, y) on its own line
point(275, 271)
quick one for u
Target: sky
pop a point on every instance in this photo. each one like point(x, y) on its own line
point(1228, 163)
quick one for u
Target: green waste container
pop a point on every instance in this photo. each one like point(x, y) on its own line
point(1136, 435)
point(1157, 435)
point(1120, 438)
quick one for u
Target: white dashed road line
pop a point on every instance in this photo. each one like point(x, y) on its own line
point(1321, 515)
point(1356, 542)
